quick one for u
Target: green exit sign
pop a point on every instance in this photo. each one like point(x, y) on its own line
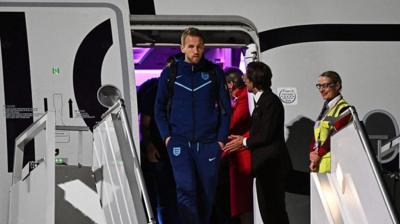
point(61, 161)
point(55, 70)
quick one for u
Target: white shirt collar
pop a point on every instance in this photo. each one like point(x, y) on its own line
point(334, 101)
point(258, 95)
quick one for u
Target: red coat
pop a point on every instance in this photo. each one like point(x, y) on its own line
point(240, 119)
point(240, 161)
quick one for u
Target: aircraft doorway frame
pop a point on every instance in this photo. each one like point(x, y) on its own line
point(220, 31)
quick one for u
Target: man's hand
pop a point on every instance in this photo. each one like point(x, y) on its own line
point(152, 153)
point(314, 157)
point(235, 143)
point(167, 140)
point(221, 145)
point(313, 166)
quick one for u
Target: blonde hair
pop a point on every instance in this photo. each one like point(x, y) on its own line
point(191, 31)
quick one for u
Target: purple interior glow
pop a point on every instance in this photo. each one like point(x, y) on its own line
point(149, 62)
point(139, 54)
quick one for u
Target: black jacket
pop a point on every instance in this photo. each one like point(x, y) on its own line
point(267, 140)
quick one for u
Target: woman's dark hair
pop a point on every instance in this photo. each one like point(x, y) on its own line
point(260, 74)
point(234, 75)
point(333, 76)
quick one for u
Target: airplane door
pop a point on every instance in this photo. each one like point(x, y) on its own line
point(155, 38)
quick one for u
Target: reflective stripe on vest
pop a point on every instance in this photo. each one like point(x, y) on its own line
point(322, 131)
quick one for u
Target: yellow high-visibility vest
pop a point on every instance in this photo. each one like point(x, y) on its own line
point(323, 130)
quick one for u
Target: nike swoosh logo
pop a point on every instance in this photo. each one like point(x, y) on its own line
point(211, 159)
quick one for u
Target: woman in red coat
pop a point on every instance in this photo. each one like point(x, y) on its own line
point(239, 161)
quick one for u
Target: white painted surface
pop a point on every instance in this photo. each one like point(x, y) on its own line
point(55, 31)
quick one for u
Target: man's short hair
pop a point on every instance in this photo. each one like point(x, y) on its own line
point(333, 76)
point(191, 31)
point(260, 74)
point(234, 75)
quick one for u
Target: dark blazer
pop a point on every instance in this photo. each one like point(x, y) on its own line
point(267, 140)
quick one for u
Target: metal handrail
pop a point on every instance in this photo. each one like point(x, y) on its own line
point(138, 171)
point(375, 167)
point(119, 107)
point(47, 122)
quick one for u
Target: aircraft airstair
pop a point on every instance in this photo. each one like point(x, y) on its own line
point(110, 189)
point(54, 190)
point(354, 191)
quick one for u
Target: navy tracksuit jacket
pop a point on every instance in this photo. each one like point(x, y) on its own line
point(198, 120)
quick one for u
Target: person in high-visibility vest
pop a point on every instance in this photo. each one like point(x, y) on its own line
point(329, 85)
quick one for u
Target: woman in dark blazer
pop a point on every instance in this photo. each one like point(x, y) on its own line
point(270, 158)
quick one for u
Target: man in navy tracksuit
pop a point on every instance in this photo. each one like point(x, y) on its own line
point(194, 124)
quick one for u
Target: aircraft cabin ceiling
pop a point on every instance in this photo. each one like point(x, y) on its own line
point(220, 31)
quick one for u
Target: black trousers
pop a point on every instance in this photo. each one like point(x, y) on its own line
point(271, 197)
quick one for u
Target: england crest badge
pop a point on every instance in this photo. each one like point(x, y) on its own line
point(176, 151)
point(205, 75)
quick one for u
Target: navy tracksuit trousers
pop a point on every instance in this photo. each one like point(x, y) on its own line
point(195, 166)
